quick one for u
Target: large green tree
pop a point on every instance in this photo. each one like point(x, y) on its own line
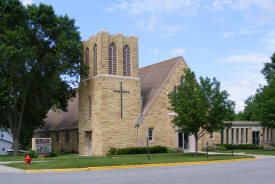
point(261, 106)
point(201, 107)
point(40, 62)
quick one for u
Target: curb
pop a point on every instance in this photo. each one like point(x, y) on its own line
point(135, 166)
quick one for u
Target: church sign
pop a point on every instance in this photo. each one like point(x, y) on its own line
point(42, 145)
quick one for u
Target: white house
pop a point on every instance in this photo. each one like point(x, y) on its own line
point(6, 141)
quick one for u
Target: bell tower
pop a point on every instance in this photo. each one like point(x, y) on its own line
point(109, 98)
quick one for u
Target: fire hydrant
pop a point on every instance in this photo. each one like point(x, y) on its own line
point(28, 159)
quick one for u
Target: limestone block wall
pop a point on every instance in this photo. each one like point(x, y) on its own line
point(159, 117)
point(89, 89)
point(116, 131)
point(216, 139)
point(103, 39)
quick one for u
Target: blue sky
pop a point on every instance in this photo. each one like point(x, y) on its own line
point(226, 39)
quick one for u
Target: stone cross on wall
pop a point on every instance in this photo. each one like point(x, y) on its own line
point(121, 102)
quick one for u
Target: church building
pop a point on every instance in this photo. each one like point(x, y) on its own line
point(119, 104)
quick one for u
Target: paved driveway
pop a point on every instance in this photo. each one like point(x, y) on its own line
point(245, 172)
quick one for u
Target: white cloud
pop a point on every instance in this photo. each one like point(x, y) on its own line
point(269, 41)
point(246, 86)
point(260, 11)
point(148, 26)
point(138, 7)
point(245, 69)
point(248, 58)
point(177, 52)
point(155, 51)
point(227, 35)
point(27, 2)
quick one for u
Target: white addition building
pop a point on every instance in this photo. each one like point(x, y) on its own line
point(6, 141)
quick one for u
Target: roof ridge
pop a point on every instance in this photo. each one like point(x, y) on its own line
point(178, 57)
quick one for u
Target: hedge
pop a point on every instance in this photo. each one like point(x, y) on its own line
point(240, 146)
point(137, 150)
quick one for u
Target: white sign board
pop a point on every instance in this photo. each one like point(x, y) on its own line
point(42, 145)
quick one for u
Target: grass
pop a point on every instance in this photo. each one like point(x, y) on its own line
point(6, 158)
point(252, 151)
point(75, 161)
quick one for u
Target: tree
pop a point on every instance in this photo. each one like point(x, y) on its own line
point(266, 104)
point(201, 107)
point(40, 56)
point(250, 112)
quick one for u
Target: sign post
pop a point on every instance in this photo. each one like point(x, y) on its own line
point(147, 144)
point(232, 148)
point(206, 149)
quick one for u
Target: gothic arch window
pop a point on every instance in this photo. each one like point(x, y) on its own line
point(112, 59)
point(175, 89)
point(126, 61)
point(87, 56)
point(95, 60)
point(181, 80)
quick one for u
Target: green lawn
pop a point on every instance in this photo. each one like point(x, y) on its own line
point(75, 161)
point(259, 152)
point(253, 151)
point(6, 158)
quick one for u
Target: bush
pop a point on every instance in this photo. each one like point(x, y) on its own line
point(31, 153)
point(240, 146)
point(158, 149)
point(112, 151)
point(137, 150)
point(215, 148)
point(54, 154)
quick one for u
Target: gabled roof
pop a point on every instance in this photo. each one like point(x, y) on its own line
point(60, 120)
point(153, 78)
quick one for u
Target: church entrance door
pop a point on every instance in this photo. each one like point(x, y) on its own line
point(89, 143)
point(183, 141)
point(256, 137)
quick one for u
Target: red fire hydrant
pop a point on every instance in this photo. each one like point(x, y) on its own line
point(28, 159)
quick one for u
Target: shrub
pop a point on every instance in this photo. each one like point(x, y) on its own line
point(215, 148)
point(54, 154)
point(137, 150)
point(175, 150)
point(112, 151)
point(158, 149)
point(31, 153)
point(240, 146)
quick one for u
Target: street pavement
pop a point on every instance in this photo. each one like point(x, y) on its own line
point(245, 172)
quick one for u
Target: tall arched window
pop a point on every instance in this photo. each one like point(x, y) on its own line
point(95, 60)
point(87, 56)
point(175, 89)
point(126, 61)
point(181, 80)
point(112, 59)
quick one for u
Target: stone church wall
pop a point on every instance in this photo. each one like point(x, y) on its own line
point(158, 116)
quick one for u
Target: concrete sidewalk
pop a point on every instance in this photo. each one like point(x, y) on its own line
point(255, 156)
point(6, 169)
